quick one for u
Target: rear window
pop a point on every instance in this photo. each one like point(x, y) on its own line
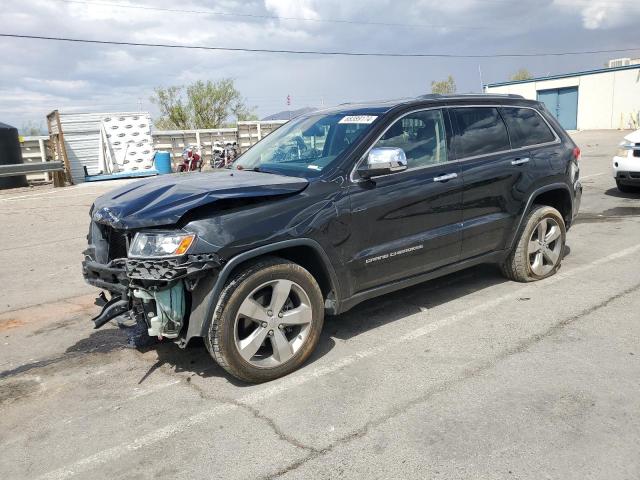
point(526, 127)
point(480, 131)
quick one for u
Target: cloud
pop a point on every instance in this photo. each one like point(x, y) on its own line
point(603, 14)
point(292, 8)
point(39, 76)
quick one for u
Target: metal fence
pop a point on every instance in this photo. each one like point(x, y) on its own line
point(82, 143)
point(174, 141)
point(34, 150)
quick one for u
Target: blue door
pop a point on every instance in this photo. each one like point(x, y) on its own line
point(563, 104)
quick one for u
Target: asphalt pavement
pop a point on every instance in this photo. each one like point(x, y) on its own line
point(465, 377)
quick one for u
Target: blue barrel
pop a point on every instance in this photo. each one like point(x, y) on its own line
point(163, 162)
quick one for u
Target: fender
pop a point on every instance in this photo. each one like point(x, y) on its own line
point(532, 196)
point(202, 312)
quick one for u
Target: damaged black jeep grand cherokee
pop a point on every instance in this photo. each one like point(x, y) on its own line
point(333, 208)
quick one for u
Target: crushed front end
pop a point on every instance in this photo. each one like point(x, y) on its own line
point(150, 283)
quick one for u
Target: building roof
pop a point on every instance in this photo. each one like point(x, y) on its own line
point(564, 75)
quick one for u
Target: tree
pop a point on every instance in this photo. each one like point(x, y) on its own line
point(522, 74)
point(31, 129)
point(444, 86)
point(200, 105)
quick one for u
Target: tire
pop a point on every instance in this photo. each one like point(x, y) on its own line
point(624, 188)
point(532, 259)
point(247, 336)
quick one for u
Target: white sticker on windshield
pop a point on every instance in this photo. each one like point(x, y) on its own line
point(358, 119)
point(314, 167)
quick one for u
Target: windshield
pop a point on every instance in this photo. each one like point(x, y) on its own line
point(305, 146)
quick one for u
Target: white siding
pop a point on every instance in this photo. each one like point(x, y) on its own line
point(594, 101)
point(606, 100)
point(81, 139)
point(626, 99)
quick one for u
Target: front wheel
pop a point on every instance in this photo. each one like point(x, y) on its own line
point(267, 321)
point(624, 188)
point(540, 247)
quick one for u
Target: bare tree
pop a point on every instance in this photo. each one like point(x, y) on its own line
point(200, 105)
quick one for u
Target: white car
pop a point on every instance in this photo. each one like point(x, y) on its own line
point(626, 163)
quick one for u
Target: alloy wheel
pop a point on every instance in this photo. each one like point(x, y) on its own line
point(545, 246)
point(272, 323)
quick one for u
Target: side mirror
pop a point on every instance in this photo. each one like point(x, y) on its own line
point(383, 161)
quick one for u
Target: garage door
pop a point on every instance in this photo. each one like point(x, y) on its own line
point(563, 104)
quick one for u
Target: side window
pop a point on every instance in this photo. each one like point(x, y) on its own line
point(480, 131)
point(526, 127)
point(422, 137)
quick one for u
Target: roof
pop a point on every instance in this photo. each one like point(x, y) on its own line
point(383, 106)
point(564, 75)
point(4, 126)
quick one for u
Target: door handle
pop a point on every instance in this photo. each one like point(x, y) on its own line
point(519, 161)
point(444, 178)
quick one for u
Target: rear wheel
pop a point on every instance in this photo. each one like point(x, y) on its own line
point(540, 247)
point(267, 322)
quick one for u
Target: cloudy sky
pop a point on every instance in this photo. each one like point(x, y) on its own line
point(39, 76)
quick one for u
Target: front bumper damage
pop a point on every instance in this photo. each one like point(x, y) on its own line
point(153, 293)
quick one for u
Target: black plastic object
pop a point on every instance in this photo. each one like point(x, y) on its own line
point(10, 154)
point(114, 307)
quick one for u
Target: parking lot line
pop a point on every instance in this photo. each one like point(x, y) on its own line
point(303, 377)
point(593, 175)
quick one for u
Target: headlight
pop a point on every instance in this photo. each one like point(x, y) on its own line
point(152, 244)
point(623, 149)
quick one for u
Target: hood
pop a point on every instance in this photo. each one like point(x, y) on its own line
point(633, 137)
point(164, 200)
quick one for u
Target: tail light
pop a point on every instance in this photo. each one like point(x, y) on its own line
point(576, 154)
point(574, 169)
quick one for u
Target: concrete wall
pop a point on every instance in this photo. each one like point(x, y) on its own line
point(605, 100)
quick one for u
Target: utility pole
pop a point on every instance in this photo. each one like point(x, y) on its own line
point(481, 82)
point(289, 105)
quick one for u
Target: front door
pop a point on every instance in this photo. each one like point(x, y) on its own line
point(408, 222)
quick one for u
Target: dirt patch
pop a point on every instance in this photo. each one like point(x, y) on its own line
point(48, 313)
point(15, 389)
point(55, 326)
point(622, 212)
point(101, 341)
point(10, 323)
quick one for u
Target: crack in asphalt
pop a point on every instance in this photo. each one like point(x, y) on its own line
point(471, 373)
point(255, 413)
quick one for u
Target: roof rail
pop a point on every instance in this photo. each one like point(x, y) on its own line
point(458, 95)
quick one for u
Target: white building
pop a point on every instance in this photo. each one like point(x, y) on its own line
point(596, 99)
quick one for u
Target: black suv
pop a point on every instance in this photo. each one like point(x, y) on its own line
point(333, 208)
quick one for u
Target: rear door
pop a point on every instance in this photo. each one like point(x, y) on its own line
point(494, 176)
point(409, 222)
